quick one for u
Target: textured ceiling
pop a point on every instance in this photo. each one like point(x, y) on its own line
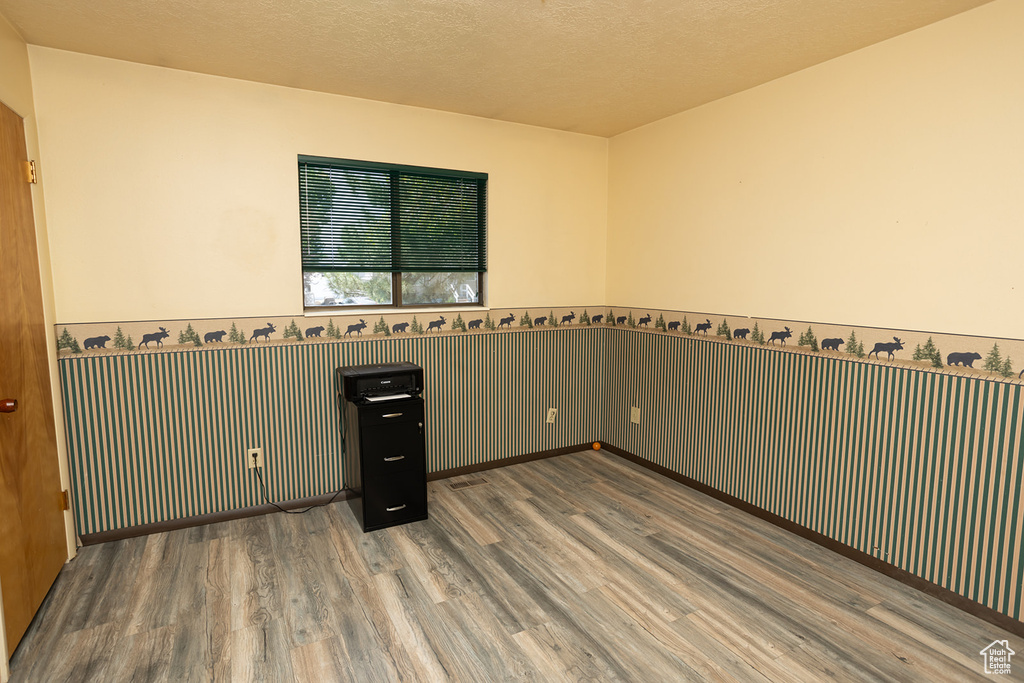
point(592, 66)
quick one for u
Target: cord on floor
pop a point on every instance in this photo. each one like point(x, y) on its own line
point(263, 488)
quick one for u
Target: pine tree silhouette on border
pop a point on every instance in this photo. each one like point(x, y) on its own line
point(236, 335)
point(808, 339)
point(292, 332)
point(66, 341)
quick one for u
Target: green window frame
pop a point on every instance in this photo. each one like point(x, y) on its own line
point(423, 229)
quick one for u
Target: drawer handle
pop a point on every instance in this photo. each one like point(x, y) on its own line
point(395, 509)
point(394, 458)
point(393, 415)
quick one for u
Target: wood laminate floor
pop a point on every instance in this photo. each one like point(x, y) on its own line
point(580, 567)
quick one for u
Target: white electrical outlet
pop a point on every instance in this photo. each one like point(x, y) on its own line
point(552, 412)
point(634, 415)
point(255, 458)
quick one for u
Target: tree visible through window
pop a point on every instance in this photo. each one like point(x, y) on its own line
point(386, 235)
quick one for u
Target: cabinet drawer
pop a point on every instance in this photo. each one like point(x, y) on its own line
point(391, 412)
point(394, 448)
point(394, 500)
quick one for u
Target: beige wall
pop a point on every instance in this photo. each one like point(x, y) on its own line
point(174, 194)
point(881, 188)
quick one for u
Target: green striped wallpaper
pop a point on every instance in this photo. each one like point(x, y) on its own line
point(922, 470)
point(153, 437)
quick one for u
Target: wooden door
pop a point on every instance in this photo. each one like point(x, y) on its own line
point(32, 542)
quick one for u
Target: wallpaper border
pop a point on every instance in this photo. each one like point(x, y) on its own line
point(961, 355)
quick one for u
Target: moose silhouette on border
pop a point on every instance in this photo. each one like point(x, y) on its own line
point(157, 337)
point(264, 332)
point(888, 347)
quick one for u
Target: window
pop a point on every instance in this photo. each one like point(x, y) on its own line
point(386, 235)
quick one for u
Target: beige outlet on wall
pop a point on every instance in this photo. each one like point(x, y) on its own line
point(255, 458)
point(552, 413)
point(634, 415)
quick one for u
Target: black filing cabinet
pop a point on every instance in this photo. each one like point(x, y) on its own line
point(385, 456)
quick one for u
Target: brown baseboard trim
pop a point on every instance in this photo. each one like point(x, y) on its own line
point(983, 612)
point(211, 518)
point(505, 462)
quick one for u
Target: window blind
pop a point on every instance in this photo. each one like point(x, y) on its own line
point(359, 216)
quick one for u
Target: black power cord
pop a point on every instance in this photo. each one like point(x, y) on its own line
point(263, 488)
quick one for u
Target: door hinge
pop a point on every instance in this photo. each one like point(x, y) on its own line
point(30, 172)
point(65, 500)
